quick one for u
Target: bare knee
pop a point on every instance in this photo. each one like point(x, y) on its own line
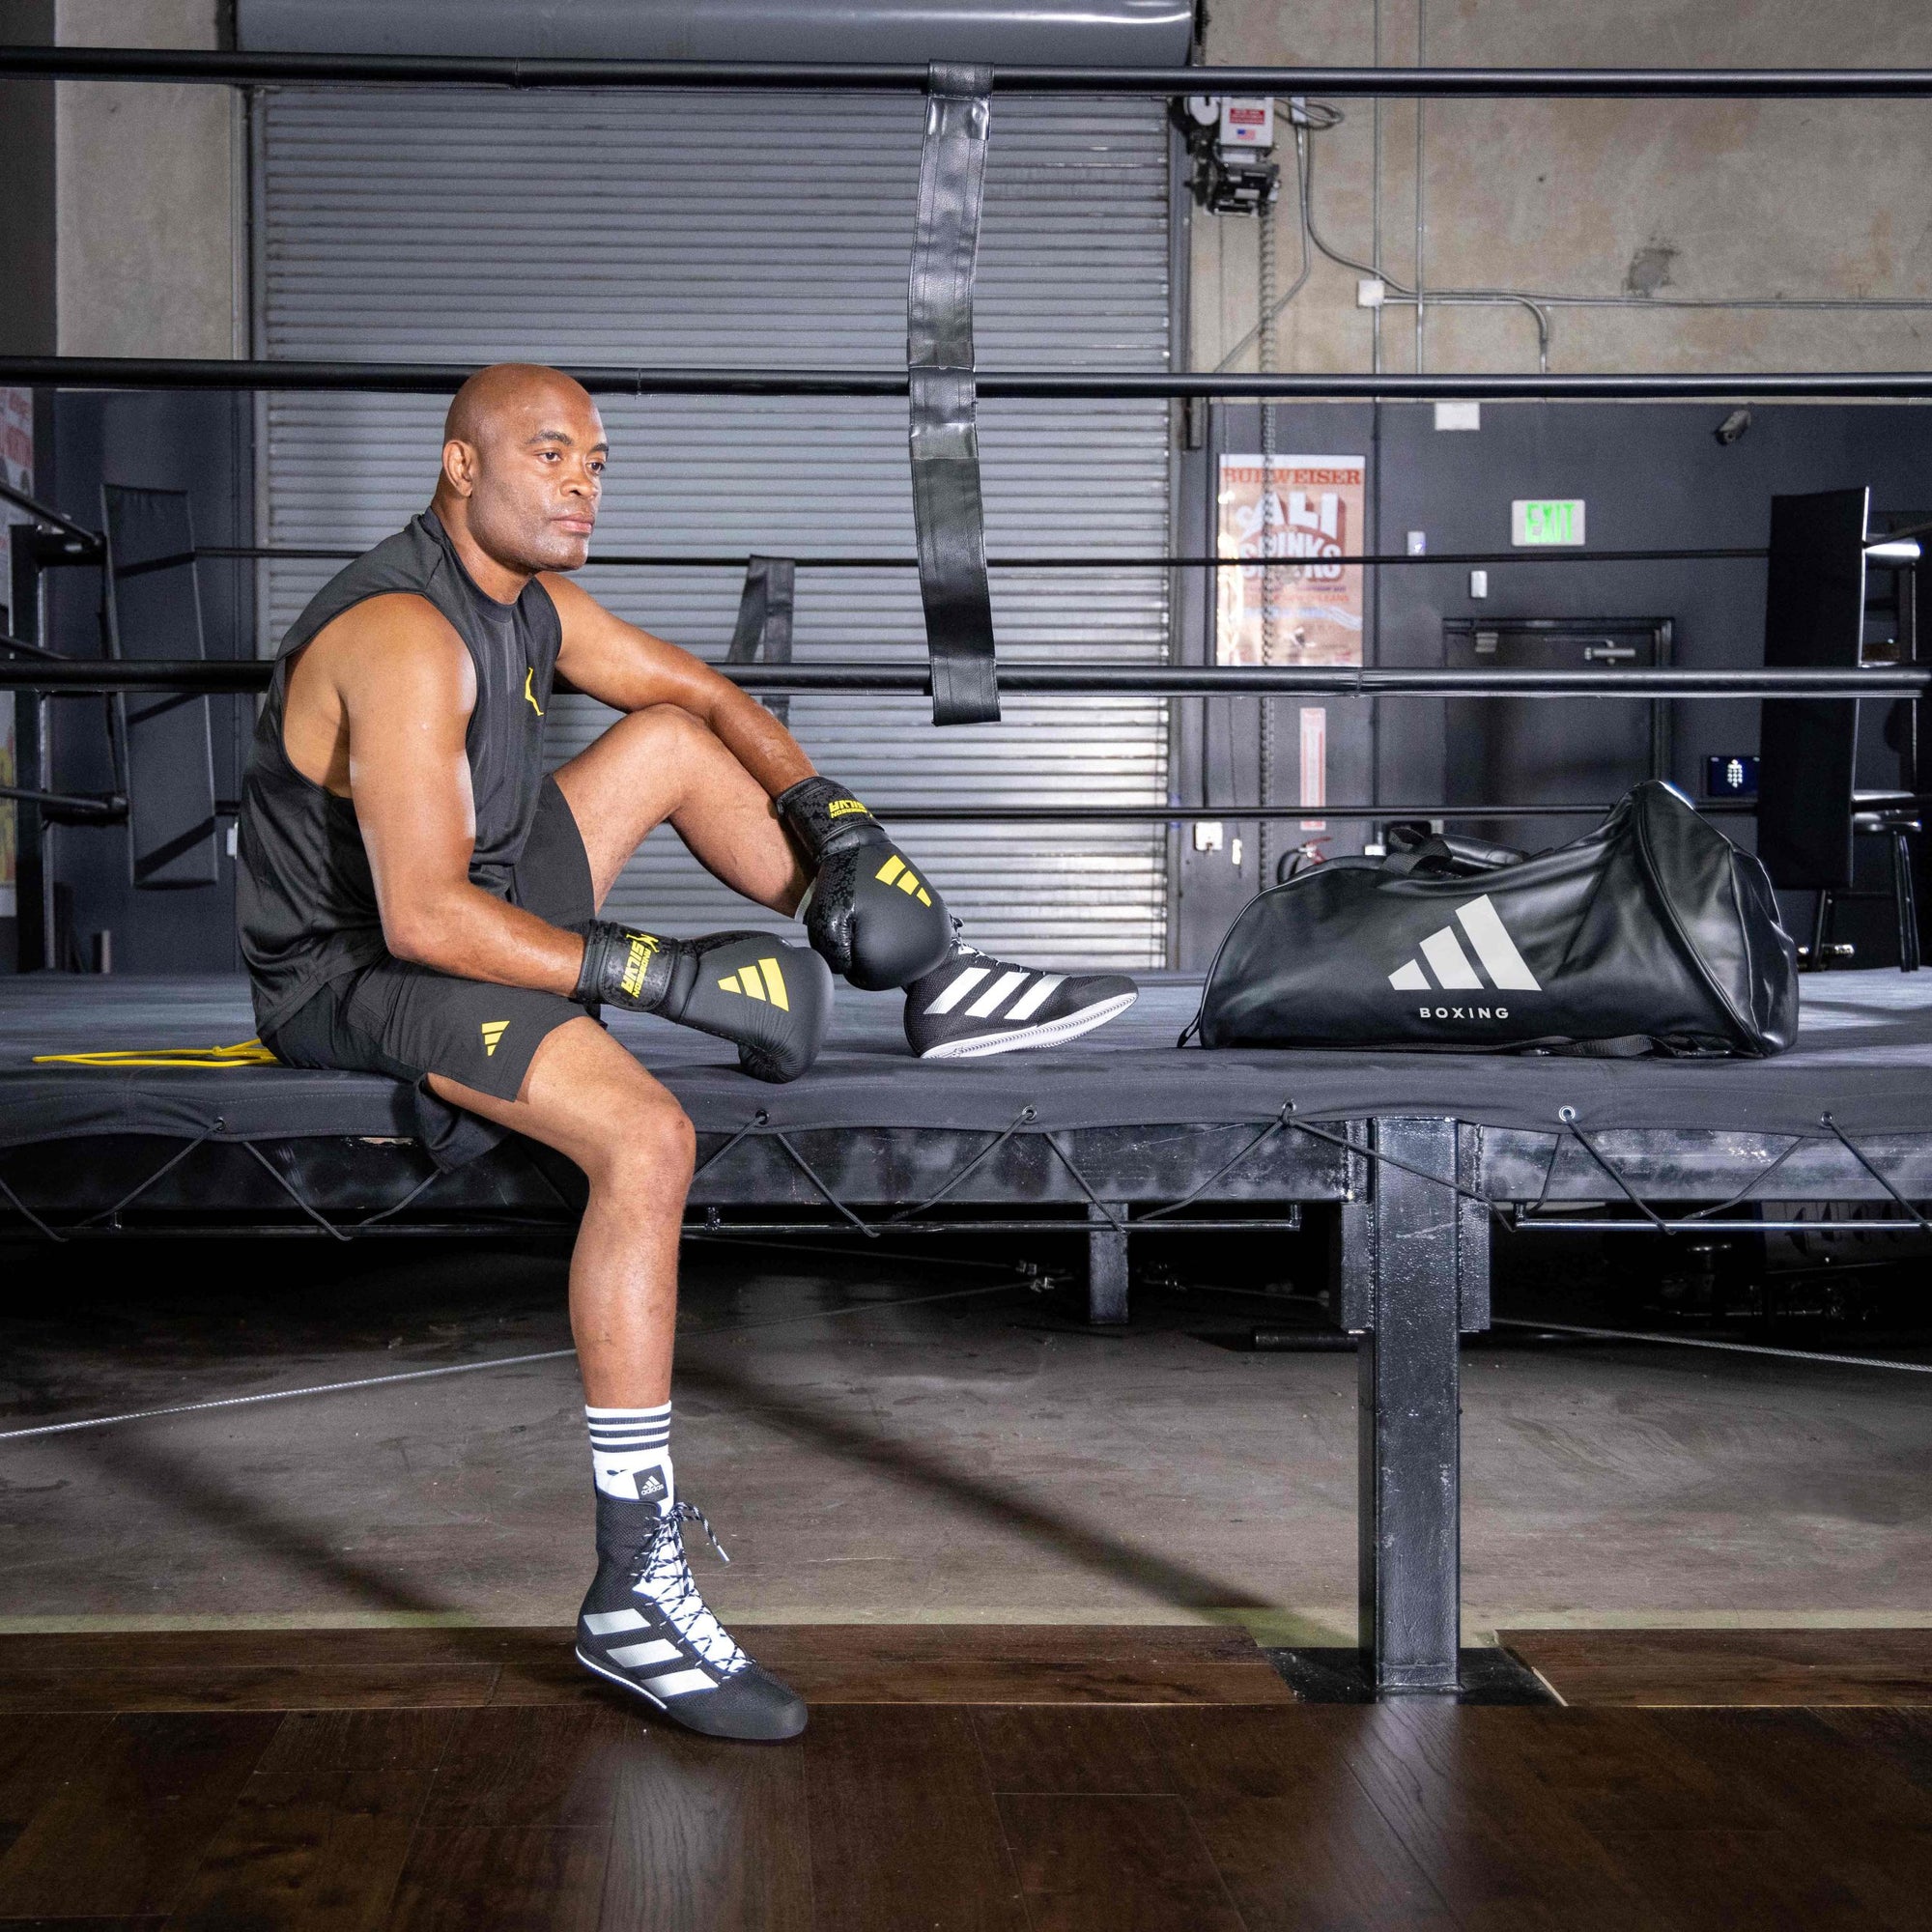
point(666, 732)
point(642, 1146)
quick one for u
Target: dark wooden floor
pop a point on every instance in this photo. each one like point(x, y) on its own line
point(1890, 1668)
point(1011, 1779)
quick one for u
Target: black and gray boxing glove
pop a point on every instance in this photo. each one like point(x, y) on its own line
point(875, 918)
point(774, 999)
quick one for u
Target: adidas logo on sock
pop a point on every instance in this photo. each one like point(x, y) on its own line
point(1481, 924)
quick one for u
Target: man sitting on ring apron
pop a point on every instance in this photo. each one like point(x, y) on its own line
point(417, 899)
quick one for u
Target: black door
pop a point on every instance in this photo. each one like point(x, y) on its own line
point(1551, 750)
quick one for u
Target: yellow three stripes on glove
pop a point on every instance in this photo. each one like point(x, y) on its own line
point(896, 868)
point(747, 981)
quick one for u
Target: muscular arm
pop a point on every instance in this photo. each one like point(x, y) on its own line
point(629, 668)
point(406, 688)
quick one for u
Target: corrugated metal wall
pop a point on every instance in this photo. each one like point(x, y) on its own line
point(766, 230)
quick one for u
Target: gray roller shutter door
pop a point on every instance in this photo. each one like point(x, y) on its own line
point(766, 230)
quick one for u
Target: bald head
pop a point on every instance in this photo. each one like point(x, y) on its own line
point(523, 464)
point(507, 393)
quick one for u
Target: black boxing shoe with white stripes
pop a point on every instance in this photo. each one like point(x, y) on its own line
point(974, 1005)
point(644, 1627)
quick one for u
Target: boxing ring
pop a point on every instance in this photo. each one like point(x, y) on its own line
point(1409, 1161)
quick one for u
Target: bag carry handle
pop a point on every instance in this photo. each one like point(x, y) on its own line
point(1443, 853)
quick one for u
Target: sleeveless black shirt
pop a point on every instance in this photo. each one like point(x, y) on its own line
point(303, 892)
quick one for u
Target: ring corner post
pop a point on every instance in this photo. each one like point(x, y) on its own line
point(1416, 1276)
point(1107, 1264)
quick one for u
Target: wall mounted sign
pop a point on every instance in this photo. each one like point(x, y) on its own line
point(1287, 519)
point(1546, 519)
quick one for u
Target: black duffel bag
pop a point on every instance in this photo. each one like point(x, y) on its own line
point(1652, 934)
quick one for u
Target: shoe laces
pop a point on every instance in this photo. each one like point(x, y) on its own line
point(660, 1570)
point(963, 948)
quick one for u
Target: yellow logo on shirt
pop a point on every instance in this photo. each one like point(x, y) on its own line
point(529, 679)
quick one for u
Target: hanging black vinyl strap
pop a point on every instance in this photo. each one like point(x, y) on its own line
point(763, 630)
point(948, 515)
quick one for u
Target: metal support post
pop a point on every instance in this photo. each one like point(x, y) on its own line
point(1106, 1263)
point(1414, 1276)
point(33, 884)
point(1905, 899)
point(52, 542)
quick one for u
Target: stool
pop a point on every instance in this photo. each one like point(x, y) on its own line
point(1899, 826)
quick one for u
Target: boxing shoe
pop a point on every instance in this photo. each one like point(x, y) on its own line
point(869, 911)
point(644, 1627)
point(974, 1005)
point(773, 1000)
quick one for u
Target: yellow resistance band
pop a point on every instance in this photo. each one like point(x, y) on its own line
point(245, 1052)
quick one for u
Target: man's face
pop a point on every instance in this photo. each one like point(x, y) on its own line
point(533, 479)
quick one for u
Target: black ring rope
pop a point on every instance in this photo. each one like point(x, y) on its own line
point(1370, 1153)
point(1756, 1182)
point(1024, 1118)
point(1267, 1134)
point(710, 560)
point(804, 1167)
point(421, 1187)
point(1567, 1116)
point(52, 1233)
point(244, 68)
point(167, 1167)
point(755, 1124)
point(1065, 1159)
point(295, 1193)
point(206, 676)
point(1857, 1154)
point(443, 379)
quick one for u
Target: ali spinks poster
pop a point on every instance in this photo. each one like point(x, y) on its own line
point(1286, 518)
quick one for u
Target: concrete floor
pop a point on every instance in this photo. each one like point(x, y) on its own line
point(976, 1457)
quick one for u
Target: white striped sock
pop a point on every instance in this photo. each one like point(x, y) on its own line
point(629, 1453)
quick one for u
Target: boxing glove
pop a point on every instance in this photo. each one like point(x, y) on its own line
point(875, 918)
point(773, 1000)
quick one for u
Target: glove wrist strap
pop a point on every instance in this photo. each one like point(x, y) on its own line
point(826, 819)
point(626, 968)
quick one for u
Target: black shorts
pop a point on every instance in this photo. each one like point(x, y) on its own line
point(410, 1021)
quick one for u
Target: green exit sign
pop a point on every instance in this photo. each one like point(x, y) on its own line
point(1551, 519)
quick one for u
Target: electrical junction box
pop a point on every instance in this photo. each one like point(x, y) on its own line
point(1246, 124)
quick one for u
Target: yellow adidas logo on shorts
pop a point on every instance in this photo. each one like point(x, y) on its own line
point(748, 982)
point(895, 871)
point(493, 1032)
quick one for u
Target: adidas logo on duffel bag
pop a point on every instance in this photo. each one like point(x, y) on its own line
point(1509, 972)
